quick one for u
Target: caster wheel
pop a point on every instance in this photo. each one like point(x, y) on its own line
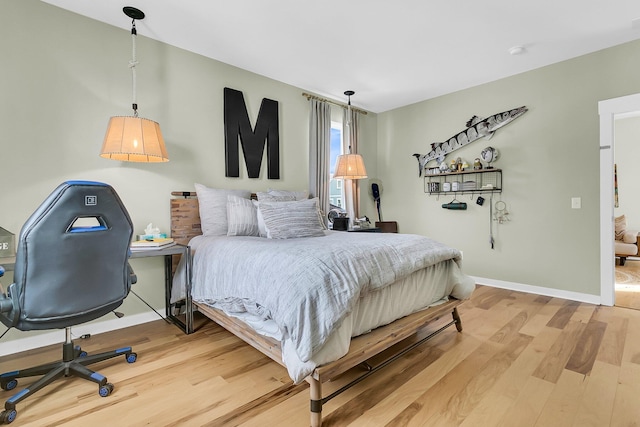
point(132, 357)
point(83, 354)
point(105, 390)
point(9, 385)
point(7, 417)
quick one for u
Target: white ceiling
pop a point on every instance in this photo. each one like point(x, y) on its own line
point(391, 53)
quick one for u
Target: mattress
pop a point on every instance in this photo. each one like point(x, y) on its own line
point(379, 307)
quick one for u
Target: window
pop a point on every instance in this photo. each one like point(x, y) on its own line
point(336, 194)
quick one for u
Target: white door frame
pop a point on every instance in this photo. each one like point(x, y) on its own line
point(608, 110)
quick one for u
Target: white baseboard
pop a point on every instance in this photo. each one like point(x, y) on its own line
point(58, 336)
point(539, 290)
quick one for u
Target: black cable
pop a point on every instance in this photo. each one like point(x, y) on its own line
point(148, 305)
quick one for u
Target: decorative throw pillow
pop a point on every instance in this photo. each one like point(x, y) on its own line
point(213, 208)
point(242, 216)
point(297, 195)
point(287, 220)
point(268, 197)
point(620, 227)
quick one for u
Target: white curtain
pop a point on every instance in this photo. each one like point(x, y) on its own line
point(319, 151)
point(350, 126)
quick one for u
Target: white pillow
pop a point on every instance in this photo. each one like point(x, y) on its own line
point(286, 220)
point(213, 208)
point(242, 215)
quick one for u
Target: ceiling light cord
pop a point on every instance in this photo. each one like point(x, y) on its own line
point(132, 65)
point(348, 124)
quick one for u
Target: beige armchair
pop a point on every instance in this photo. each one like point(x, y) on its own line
point(626, 242)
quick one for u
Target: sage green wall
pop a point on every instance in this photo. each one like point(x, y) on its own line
point(627, 156)
point(64, 75)
point(548, 156)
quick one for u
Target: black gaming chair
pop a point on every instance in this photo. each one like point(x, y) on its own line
point(71, 267)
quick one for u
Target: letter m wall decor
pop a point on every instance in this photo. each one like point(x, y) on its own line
point(237, 127)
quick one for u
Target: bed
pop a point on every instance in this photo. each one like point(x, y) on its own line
point(368, 289)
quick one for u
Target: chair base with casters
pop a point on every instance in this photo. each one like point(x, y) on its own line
point(73, 363)
point(87, 227)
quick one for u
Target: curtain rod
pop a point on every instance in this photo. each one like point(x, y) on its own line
point(309, 96)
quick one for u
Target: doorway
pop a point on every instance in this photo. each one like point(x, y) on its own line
point(609, 110)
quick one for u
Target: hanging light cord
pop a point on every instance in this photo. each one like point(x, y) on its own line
point(349, 121)
point(132, 65)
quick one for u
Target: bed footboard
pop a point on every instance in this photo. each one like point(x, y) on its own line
point(366, 346)
point(362, 348)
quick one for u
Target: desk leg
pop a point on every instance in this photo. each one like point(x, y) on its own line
point(188, 302)
point(187, 325)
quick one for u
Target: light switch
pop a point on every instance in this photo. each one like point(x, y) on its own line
point(576, 203)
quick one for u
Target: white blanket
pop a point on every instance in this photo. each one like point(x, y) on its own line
point(306, 286)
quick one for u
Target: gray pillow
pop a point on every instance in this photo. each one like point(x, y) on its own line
point(268, 197)
point(287, 220)
point(297, 195)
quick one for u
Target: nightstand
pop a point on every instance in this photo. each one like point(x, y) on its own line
point(177, 249)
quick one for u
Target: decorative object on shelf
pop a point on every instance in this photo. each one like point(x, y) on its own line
point(501, 215)
point(489, 155)
point(443, 167)
point(476, 128)
point(132, 138)
point(477, 164)
point(464, 166)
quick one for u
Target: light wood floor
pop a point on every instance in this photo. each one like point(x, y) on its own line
point(521, 360)
point(628, 290)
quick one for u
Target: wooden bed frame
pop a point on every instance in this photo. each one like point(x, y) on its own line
point(185, 224)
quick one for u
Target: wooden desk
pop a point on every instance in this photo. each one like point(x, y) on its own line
point(177, 249)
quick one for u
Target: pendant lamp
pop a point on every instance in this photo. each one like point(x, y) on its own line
point(349, 166)
point(133, 138)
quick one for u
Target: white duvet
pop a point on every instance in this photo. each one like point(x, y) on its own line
point(305, 288)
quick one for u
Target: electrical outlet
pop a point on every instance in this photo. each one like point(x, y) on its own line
point(576, 203)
